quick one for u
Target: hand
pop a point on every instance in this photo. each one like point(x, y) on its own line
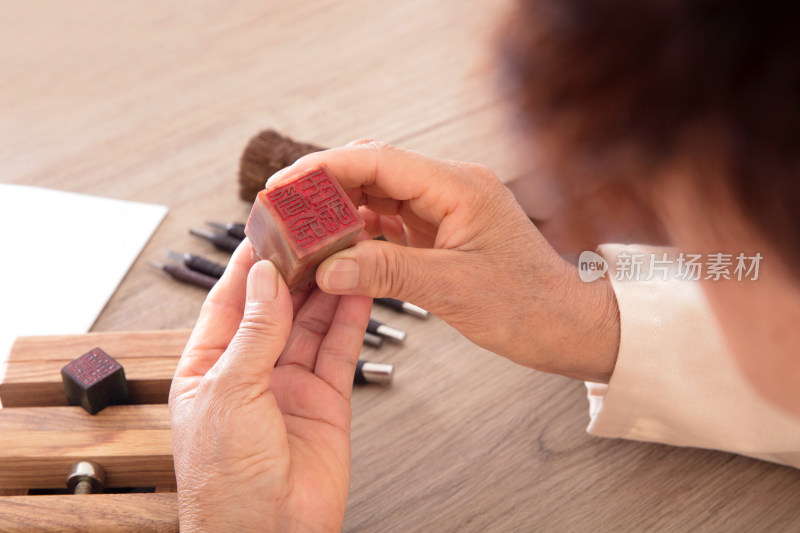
point(461, 247)
point(260, 405)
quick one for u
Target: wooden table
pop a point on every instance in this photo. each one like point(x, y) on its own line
point(154, 101)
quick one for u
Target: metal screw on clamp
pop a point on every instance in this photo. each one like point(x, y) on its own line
point(86, 477)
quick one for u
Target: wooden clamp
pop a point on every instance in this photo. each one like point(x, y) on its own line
point(41, 436)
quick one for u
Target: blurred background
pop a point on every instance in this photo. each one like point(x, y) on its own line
point(155, 101)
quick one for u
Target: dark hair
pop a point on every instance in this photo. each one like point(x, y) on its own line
point(628, 85)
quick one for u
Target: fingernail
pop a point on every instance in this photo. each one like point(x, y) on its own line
point(342, 275)
point(262, 283)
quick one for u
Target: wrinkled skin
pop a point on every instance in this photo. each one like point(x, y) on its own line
point(260, 405)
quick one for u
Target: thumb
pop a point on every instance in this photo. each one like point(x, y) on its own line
point(381, 269)
point(264, 328)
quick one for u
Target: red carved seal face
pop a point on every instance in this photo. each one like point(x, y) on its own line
point(313, 208)
point(91, 367)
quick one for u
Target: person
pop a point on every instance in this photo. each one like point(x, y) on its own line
point(685, 109)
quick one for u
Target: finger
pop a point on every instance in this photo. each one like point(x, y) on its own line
point(382, 269)
point(385, 171)
point(390, 207)
point(311, 324)
point(339, 350)
point(383, 206)
point(298, 299)
point(219, 317)
point(393, 229)
point(262, 333)
point(419, 239)
point(372, 222)
point(390, 227)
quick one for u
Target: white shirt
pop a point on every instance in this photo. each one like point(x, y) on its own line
point(675, 381)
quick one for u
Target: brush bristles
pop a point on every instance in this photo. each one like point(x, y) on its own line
point(265, 154)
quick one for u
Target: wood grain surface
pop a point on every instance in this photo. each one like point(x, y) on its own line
point(39, 444)
point(33, 372)
point(154, 101)
point(94, 513)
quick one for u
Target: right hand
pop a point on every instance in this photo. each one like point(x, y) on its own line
point(461, 247)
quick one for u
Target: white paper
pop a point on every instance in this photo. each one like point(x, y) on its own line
point(62, 256)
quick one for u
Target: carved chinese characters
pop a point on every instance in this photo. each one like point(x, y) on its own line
point(312, 208)
point(297, 224)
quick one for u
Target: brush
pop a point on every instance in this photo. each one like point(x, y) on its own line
point(265, 154)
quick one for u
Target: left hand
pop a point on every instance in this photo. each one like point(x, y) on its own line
point(260, 405)
point(461, 247)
